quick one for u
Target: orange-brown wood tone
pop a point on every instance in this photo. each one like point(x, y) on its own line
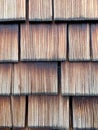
point(11, 10)
point(8, 43)
point(40, 10)
point(43, 42)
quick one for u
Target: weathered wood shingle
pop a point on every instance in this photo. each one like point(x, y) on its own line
point(79, 42)
point(48, 111)
point(43, 42)
point(35, 78)
point(12, 10)
point(8, 43)
point(85, 114)
point(40, 10)
point(75, 9)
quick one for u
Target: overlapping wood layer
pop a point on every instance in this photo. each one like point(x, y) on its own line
point(48, 111)
point(75, 9)
point(85, 112)
point(40, 10)
point(43, 42)
point(12, 10)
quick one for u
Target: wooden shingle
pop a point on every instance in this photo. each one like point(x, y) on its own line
point(79, 42)
point(48, 111)
point(40, 10)
point(18, 111)
point(8, 43)
point(5, 112)
point(5, 79)
point(79, 78)
point(85, 114)
point(11, 10)
point(35, 78)
point(43, 42)
point(94, 41)
point(75, 9)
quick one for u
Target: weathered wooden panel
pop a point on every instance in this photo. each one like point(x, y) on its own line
point(85, 114)
point(5, 79)
point(5, 112)
point(48, 111)
point(79, 42)
point(94, 41)
point(8, 43)
point(12, 10)
point(75, 9)
point(35, 78)
point(18, 110)
point(76, 78)
point(40, 10)
point(43, 42)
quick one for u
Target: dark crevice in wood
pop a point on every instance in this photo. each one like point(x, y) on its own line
point(19, 52)
point(11, 110)
point(53, 11)
point(26, 112)
point(59, 78)
point(27, 11)
point(90, 40)
point(70, 114)
point(67, 51)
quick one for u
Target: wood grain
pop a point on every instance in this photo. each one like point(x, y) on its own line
point(5, 79)
point(8, 43)
point(75, 9)
point(76, 78)
point(18, 111)
point(35, 78)
point(48, 111)
point(85, 113)
point(94, 41)
point(12, 10)
point(43, 42)
point(79, 42)
point(40, 10)
point(5, 112)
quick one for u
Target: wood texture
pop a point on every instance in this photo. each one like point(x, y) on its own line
point(8, 43)
point(78, 78)
point(85, 114)
point(5, 112)
point(35, 78)
point(12, 10)
point(5, 79)
point(48, 111)
point(79, 42)
point(40, 10)
point(18, 111)
point(94, 41)
point(75, 9)
point(43, 42)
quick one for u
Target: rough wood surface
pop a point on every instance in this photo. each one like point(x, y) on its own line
point(85, 113)
point(94, 41)
point(43, 42)
point(79, 42)
point(11, 10)
point(35, 78)
point(40, 10)
point(5, 112)
point(79, 78)
point(8, 43)
point(75, 9)
point(48, 111)
point(18, 110)
point(5, 79)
